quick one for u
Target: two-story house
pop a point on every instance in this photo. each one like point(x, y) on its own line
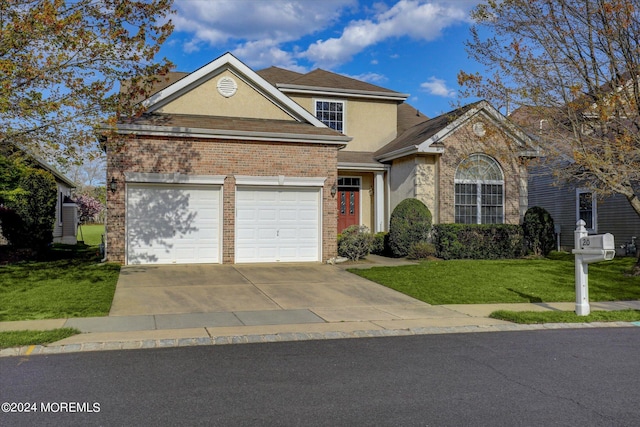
point(232, 165)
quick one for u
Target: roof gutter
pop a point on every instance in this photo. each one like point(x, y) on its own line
point(230, 134)
point(413, 149)
point(352, 93)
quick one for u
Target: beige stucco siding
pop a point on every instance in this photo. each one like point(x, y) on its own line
point(206, 100)
point(401, 181)
point(371, 123)
point(415, 177)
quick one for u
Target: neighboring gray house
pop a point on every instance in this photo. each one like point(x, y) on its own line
point(66, 225)
point(569, 203)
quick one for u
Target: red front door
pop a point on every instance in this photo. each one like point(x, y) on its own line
point(348, 208)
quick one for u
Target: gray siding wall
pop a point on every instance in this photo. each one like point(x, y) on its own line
point(616, 216)
point(613, 214)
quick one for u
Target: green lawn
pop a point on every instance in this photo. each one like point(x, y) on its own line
point(72, 284)
point(91, 233)
point(19, 338)
point(530, 317)
point(507, 281)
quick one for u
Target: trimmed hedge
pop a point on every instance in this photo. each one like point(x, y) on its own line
point(478, 241)
point(410, 223)
point(539, 231)
point(380, 244)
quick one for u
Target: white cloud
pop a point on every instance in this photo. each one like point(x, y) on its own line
point(438, 87)
point(265, 53)
point(262, 32)
point(412, 18)
point(369, 77)
point(272, 22)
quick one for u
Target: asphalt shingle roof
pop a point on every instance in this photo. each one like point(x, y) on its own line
point(360, 157)
point(419, 133)
point(231, 123)
point(275, 75)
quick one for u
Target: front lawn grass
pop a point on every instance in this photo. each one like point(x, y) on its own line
point(91, 233)
point(507, 281)
point(530, 317)
point(10, 339)
point(71, 283)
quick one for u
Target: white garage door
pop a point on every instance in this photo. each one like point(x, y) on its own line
point(277, 225)
point(173, 224)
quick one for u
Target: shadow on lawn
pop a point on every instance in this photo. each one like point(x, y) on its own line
point(528, 297)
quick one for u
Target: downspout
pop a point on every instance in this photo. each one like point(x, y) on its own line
point(105, 239)
point(103, 142)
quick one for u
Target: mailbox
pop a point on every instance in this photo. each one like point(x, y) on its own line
point(598, 241)
point(589, 249)
point(595, 248)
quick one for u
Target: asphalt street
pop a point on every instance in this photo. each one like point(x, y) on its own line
point(586, 377)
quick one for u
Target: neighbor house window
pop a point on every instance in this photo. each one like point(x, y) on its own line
point(331, 113)
point(479, 191)
point(586, 208)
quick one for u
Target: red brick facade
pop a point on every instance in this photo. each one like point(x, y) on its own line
point(219, 157)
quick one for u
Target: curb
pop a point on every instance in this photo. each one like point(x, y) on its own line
point(293, 337)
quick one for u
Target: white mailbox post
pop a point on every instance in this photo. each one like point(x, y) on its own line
point(588, 249)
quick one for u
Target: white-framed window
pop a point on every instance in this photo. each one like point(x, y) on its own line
point(479, 191)
point(586, 209)
point(331, 113)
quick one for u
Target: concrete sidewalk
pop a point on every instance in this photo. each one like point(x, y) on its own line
point(164, 306)
point(216, 328)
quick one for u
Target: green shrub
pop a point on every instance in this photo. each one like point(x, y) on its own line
point(421, 250)
point(410, 222)
point(380, 244)
point(539, 231)
point(35, 207)
point(11, 226)
point(355, 242)
point(473, 241)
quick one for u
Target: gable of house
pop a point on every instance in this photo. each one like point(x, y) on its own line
point(425, 163)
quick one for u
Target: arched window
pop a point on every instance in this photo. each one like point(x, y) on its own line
point(479, 191)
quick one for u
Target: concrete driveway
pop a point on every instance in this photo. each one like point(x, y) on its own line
point(259, 294)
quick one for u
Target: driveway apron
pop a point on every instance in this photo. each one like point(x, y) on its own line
point(248, 290)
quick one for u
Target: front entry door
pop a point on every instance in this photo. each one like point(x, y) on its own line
point(348, 207)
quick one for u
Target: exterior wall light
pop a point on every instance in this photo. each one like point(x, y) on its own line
point(113, 185)
point(334, 190)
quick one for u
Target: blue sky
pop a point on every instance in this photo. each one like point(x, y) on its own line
point(411, 46)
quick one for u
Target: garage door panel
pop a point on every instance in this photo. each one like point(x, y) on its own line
point(172, 224)
point(286, 227)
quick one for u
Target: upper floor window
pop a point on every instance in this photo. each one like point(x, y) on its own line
point(331, 113)
point(586, 208)
point(479, 191)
